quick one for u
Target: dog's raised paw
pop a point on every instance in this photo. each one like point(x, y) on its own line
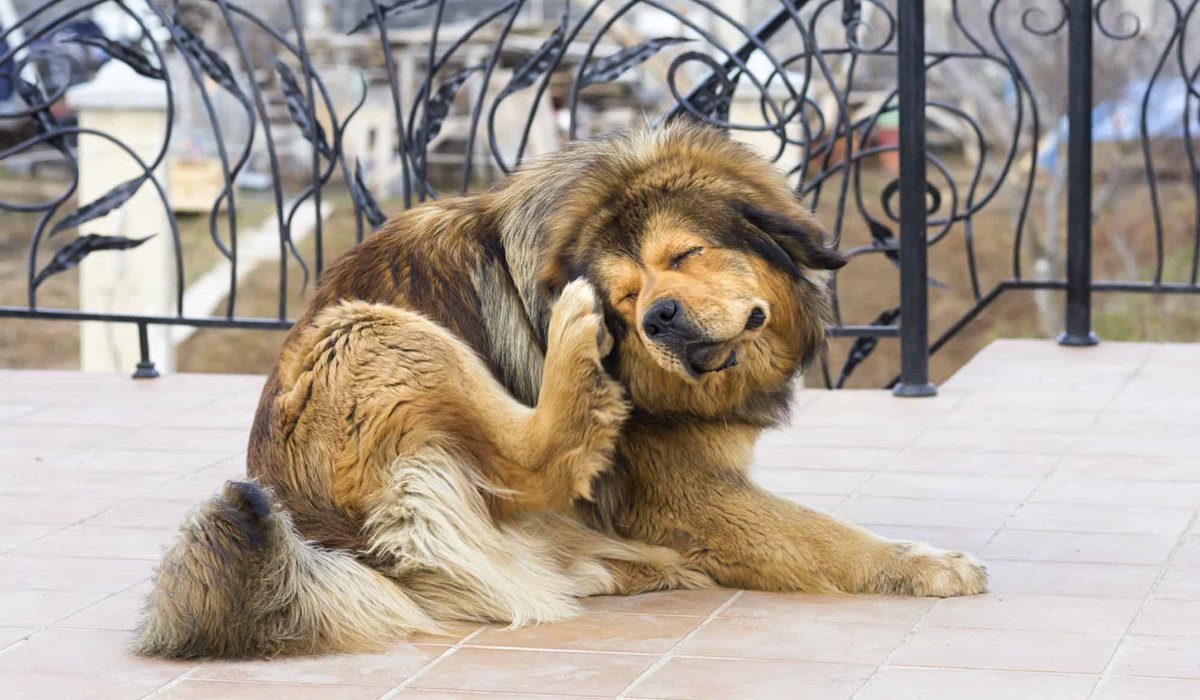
point(588, 406)
point(578, 317)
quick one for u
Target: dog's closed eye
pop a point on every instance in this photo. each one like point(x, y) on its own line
point(677, 260)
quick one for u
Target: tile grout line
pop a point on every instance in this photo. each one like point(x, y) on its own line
point(29, 410)
point(1058, 462)
point(876, 472)
point(396, 690)
point(899, 645)
point(122, 502)
point(186, 675)
point(1098, 685)
point(40, 629)
point(20, 642)
point(1008, 518)
point(119, 503)
point(1061, 457)
point(1004, 527)
point(1106, 672)
point(886, 467)
point(559, 650)
point(669, 653)
point(1013, 671)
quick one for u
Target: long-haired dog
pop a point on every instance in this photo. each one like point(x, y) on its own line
point(500, 403)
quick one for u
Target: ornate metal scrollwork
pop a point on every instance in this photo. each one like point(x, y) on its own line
point(809, 82)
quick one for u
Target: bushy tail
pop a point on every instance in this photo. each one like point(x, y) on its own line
point(241, 583)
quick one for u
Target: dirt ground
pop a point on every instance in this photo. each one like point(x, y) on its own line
point(27, 343)
point(1124, 250)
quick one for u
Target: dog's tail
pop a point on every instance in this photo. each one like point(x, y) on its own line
point(240, 582)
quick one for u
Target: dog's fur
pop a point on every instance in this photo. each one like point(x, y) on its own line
point(473, 420)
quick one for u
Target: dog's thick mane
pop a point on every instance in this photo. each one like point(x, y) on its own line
point(488, 266)
point(557, 212)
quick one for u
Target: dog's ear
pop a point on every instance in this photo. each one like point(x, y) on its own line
point(559, 268)
point(791, 241)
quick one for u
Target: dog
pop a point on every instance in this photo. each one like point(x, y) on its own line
point(501, 403)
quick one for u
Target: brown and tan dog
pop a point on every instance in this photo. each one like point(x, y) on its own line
point(501, 403)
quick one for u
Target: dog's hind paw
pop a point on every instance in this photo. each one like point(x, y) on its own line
point(578, 320)
point(578, 341)
point(586, 406)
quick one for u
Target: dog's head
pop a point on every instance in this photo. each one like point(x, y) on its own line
point(714, 279)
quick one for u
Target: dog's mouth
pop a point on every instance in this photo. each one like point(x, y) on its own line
point(708, 358)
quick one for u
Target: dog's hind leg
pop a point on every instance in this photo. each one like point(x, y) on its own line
point(432, 531)
point(630, 567)
point(580, 409)
point(435, 536)
point(373, 384)
point(420, 444)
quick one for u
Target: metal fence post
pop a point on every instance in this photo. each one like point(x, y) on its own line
point(1079, 178)
point(914, 274)
point(131, 111)
point(145, 366)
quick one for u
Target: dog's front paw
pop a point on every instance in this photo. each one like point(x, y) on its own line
point(922, 570)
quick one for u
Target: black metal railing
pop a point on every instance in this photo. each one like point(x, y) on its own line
point(470, 89)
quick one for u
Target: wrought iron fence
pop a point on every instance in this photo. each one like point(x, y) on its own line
point(469, 88)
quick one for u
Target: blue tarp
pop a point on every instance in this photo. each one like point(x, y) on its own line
point(1120, 118)
point(6, 85)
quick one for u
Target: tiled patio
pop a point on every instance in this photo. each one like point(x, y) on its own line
point(1074, 473)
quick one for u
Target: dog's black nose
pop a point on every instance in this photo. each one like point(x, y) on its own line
point(660, 317)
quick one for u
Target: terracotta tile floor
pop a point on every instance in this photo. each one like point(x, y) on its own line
point(1075, 473)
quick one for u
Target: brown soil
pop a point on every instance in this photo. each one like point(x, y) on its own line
point(23, 342)
point(1124, 250)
